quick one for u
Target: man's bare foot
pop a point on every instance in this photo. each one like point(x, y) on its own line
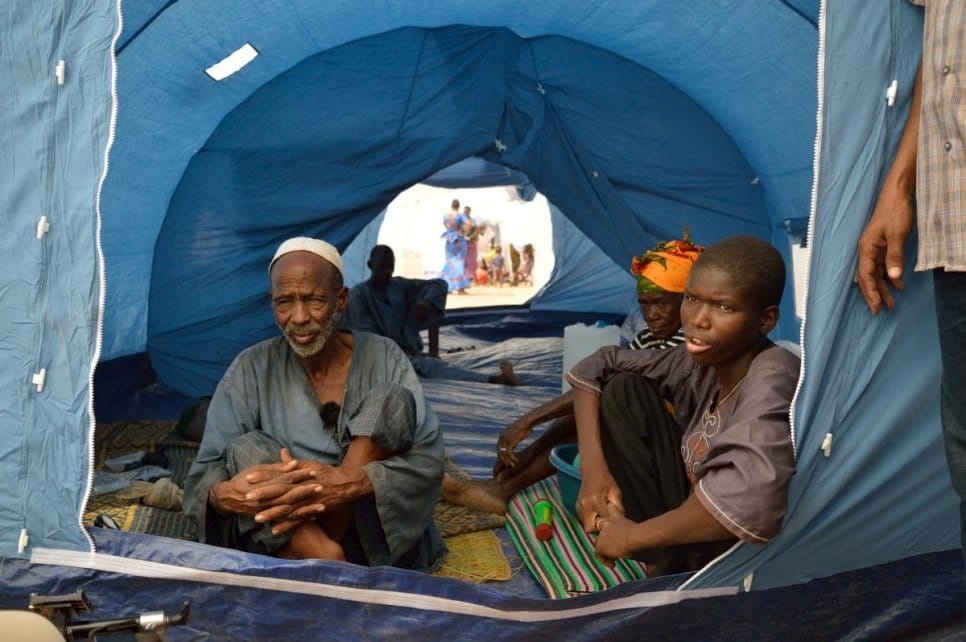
point(507, 377)
point(309, 541)
point(481, 495)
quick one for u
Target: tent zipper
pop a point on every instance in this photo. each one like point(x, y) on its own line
point(102, 289)
point(812, 210)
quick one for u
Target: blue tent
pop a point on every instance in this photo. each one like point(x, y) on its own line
point(143, 199)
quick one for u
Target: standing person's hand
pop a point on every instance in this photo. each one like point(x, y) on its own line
point(881, 248)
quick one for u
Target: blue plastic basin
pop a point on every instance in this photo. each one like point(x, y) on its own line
point(568, 476)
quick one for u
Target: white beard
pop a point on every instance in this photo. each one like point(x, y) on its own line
point(322, 334)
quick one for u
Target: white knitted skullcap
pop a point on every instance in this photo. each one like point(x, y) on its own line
point(305, 244)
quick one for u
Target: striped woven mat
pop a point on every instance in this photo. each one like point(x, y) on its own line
point(564, 565)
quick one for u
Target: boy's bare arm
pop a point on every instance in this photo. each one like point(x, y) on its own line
point(520, 429)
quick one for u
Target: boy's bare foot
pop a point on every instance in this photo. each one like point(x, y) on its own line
point(507, 377)
point(481, 495)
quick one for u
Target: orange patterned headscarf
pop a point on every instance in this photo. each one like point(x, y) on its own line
point(666, 267)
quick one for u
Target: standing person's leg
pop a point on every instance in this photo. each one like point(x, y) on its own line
point(950, 288)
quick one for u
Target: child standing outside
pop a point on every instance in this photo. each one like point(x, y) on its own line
point(498, 267)
point(677, 501)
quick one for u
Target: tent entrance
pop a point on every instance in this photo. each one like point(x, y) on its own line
point(412, 225)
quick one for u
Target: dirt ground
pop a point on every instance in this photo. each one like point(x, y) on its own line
point(478, 296)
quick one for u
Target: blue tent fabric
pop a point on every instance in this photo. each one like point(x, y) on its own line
point(476, 172)
point(581, 274)
point(52, 154)
point(634, 118)
point(524, 57)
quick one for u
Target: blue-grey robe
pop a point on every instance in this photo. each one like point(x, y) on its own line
point(389, 313)
point(266, 389)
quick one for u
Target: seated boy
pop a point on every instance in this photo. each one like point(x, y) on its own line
point(678, 501)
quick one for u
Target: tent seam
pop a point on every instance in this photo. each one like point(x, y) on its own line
point(144, 568)
point(412, 86)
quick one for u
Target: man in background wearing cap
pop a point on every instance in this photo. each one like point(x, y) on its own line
point(662, 274)
point(399, 308)
point(319, 443)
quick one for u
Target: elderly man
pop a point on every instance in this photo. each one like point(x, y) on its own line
point(399, 308)
point(662, 273)
point(319, 443)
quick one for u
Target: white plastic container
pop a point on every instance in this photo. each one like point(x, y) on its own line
point(582, 340)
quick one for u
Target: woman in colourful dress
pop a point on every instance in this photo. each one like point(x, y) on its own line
point(454, 269)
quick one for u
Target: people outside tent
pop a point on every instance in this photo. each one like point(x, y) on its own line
point(525, 273)
point(482, 272)
point(677, 501)
point(319, 443)
point(399, 308)
point(471, 232)
point(498, 267)
point(661, 274)
point(928, 170)
point(511, 273)
point(454, 267)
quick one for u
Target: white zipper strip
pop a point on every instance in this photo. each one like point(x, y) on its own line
point(812, 207)
point(102, 290)
point(157, 570)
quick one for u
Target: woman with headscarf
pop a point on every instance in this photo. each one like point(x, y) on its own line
point(454, 269)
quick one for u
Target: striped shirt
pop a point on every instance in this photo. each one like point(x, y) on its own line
point(647, 341)
point(941, 155)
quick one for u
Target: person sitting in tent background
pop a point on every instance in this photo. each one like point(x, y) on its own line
point(662, 274)
point(315, 437)
point(399, 308)
point(454, 267)
point(675, 501)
